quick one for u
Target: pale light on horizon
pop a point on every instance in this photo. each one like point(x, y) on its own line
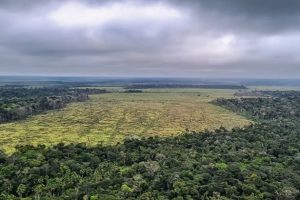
point(81, 15)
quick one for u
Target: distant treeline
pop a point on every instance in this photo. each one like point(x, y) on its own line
point(272, 106)
point(19, 103)
point(257, 162)
point(133, 91)
point(263, 93)
point(149, 86)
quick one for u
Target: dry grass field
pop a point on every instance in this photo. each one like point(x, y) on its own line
point(109, 118)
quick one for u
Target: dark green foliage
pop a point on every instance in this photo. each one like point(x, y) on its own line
point(133, 91)
point(18, 103)
point(261, 161)
point(278, 105)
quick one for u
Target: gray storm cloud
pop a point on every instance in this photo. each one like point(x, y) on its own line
point(196, 38)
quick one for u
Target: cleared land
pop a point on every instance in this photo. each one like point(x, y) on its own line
point(109, 118)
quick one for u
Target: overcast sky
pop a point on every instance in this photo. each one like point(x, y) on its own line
point(151, 38)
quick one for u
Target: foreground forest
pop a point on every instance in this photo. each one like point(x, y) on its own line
point(260, 161)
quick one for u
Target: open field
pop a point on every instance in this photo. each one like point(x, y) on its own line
point(109, 118)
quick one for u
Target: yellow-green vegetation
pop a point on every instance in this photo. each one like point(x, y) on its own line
point(109, 118)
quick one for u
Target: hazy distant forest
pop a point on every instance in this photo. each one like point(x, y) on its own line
point(257, 158)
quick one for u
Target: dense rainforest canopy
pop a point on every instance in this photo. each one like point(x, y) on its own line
point(261, 161)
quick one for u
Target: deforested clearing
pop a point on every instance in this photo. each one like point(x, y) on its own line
point(108, 118)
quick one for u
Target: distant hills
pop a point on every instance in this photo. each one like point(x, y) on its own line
point(139, 83)
point(204, 86)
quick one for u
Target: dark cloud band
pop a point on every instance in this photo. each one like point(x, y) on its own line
point(151, 38)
